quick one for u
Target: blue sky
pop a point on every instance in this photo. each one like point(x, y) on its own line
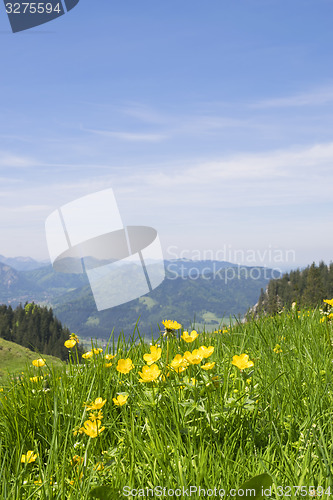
point(211, 121)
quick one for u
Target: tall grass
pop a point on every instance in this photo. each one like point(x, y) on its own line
point(214, 428)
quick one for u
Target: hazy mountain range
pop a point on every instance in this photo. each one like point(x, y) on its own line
point(194, 292)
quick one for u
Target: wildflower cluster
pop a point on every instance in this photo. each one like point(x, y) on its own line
point(93, 426)
point(327, 314)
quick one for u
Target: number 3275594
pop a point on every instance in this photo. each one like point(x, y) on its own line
point(32, 8)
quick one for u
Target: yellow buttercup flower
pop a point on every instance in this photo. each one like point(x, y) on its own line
point(329, 301)
point(125, 365)
point(206, 351)
point(97, 350)
point(94, 417)
point(171, 325)
point(190, 337)
point(70, 343)
point(92, 429)
point(149, 373)
point(110, 356)
point(99, 466)
point(77, 460)
point(242, 361)
point(194, 358)
point(277, 349)
point(97, 404)
point(155, 354)
point(88, 355)
point(208, 366)
point(179, 363)
point(38, 362)
point(36, 379)
point(29, 457)
point(75, 337)
point(107, 365)
point(120, 400)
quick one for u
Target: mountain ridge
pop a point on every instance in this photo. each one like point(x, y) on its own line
point(194, 292)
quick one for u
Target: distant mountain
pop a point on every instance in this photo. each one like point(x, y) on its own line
point(22, 263)
point(14, 284)
point(202, 301)
point(200, 291)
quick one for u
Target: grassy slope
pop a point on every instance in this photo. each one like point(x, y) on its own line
point(14, 358)
point(274, 417)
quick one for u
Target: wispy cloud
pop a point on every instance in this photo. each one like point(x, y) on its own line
point(316, 97)
point(29, 208)
point(128, 136)
point(14, 160)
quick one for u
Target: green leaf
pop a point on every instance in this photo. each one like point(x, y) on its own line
point(259, 484)
point(104, 493)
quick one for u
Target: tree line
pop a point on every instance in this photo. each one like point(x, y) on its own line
point(34, 327)
point(307, 287)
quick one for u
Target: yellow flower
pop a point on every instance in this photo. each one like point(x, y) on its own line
point(29, 457)
point(92, 429)
point(120, 400)
point(171, 325)
point(206, 351)
point(38, 362)
point(87, 355)
point(208, 366)
point(329, 302)
point(107, 365)
point(194, 358)
point(242, 361)
point(75, 337)
point(70, 343)
point(77, 460)
point(110, 356)
point(125, 365)
point(155, 354)
point(97, 350)
point(179, 364)
point(322, 320)
point(99, 466)
point(225, 331)
point(190, 337)
point(277, 349)
point(36, 379)
point(94, 417)
point(149, 373)
point(97, 404)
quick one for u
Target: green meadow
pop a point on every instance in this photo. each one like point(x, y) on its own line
point(207, 411)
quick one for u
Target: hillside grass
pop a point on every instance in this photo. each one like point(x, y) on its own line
point(14, 359)
point(212, 428)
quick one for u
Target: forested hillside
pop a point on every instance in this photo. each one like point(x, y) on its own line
point(34, 327)
point(307, 287)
